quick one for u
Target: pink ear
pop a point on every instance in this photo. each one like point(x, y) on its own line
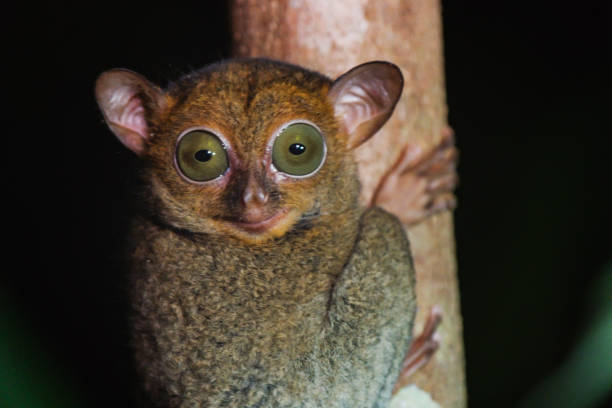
point(364, 98)
point(124, 98)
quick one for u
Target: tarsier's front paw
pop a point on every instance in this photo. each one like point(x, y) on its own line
point(419, 185)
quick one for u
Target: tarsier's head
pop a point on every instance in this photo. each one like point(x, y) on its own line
point(249, 148)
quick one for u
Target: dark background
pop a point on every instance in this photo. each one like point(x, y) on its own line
point(528, 95)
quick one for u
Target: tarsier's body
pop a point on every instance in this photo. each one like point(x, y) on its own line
point(260, 283)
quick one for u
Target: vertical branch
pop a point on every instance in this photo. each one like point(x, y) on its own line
point(332, 37)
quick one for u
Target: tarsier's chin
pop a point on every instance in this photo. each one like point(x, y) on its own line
point(257, 278)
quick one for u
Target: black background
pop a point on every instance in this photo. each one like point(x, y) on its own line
point(528, 95)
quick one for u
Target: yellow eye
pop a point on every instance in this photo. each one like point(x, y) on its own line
point(201, 156)
point(298, 150)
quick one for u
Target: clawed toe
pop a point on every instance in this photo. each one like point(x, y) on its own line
point(421, 349)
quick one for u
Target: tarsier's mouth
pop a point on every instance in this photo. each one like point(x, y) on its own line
point(264, 225)
point(274, 225)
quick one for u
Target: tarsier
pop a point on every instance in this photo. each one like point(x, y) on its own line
point(258, 280)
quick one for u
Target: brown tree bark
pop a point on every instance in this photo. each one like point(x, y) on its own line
point(334, 36)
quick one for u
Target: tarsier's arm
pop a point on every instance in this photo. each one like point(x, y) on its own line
point(373, 304)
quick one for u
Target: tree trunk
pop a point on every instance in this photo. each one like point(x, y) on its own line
point(333, 36)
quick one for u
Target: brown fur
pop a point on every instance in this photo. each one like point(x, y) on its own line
point(316, 312)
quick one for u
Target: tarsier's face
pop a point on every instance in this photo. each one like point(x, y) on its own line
point(250, 149)
point(250, 154)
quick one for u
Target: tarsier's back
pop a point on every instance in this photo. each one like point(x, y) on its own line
point(258, 280)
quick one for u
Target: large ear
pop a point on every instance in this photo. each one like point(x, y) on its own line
point(125, 99)
point(364, 98)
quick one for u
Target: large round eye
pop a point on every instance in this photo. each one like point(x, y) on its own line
point(298, 150)
point(200, 156)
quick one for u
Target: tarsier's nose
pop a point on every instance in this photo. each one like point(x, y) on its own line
point(254, 194)
point(254, 199)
